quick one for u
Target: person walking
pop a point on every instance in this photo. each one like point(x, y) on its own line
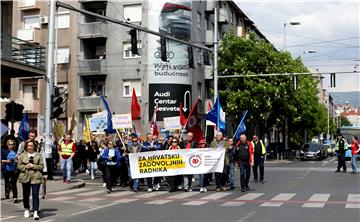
point(202, 177)
point(135, 147)
point(30, 165)
point(340, 149)
point(230, 169)
point(189, 143)
point(174, 181)
point(111, 157)
point(220, 178)
point(151, 145)
point(244, 157)
point(67, 151)
point(93, 152)
point(8, 168)
point(259, 158)
point(355, 150)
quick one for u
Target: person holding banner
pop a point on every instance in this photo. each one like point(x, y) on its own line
point(134, 147)
point(151, 145)
point(174, 181)
point(202, 177)
point(220, 178)
point(188, 144)
point(244, 157)
point(112, 159)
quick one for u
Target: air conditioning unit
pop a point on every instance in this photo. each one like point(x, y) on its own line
point(44, 19)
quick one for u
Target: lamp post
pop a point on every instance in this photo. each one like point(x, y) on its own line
point(289, 23)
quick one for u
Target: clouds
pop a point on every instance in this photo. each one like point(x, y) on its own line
point(320, 21)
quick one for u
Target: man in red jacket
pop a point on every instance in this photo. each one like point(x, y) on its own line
point(244, 157)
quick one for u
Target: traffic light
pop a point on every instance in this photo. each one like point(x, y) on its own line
point(163, 49)
point(56, 101)
point(134, 49)
point(13, 111)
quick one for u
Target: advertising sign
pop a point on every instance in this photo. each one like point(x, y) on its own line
point(176, 162)
point(169, 81)
point(122, 121)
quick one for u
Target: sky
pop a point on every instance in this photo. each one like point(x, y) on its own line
point(330, 30)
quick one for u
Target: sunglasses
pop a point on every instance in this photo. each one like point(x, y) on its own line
point(174, 141)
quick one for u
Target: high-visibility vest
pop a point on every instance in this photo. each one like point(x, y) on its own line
point(346, 145)
point(263, 149)
point(66, 149)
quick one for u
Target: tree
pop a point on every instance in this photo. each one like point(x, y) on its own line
point(344, 121)
point(268, 99)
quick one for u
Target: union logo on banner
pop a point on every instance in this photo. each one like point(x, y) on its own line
point(195, 160)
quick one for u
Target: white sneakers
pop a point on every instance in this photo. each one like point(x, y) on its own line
point(104, 184)
point(26, 213)
point(93, 177)
point(149, 190)
point(157, 187)
point(36, 215)
point(203, 190)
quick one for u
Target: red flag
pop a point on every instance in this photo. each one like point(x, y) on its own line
point(209, 106)
point(153, 127)
point(135, 107)
point(193, 123)
point(182, 117)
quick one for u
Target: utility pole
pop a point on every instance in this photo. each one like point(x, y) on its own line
point(215, 51)
point(49, 75)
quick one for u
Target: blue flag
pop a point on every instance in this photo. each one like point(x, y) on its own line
point(24, 128)
point(110, 128)
point(217, 115)
point(241, 127)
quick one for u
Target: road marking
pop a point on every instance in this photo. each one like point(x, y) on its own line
point(92, 199)
point(101, 191)
point(61, 198)
point(250, 196)
point(215, 196)
point(70, 191)
point(353, 198)
point(7, 218)
point(153, 194)
point(333, 159)
point(317, 198)
point(195, 203)
point(119, 193)
point(125, 200)
point(247, 216)
point(92, 209)
point(278, 200)
point(183, 195)
point(159, 202)
point(48, 220)
point(232, 204)
point(324, 163)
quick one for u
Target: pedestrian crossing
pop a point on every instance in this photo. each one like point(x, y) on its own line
point(224, 199)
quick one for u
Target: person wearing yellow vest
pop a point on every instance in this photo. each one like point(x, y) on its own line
point(259, 158)
point(67, 151)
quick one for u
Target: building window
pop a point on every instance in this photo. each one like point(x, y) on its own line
point(31, 21)
point(199, 89)
point(63, 20)
point(209, 24)
point(127, 50)
point(198, 20)
point(35, 92)
point(128, 85)
point(133, 13)
point(63, 55)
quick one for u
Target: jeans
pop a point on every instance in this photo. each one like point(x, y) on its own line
point(66, 167)
point(10, 183)
point(35, 195)
point(244, 174)
point(187, 181)
point(258, 163)
point(341, 162)
point(202, 180)
point(93, 168)
point(353, 162)
point(231, 170)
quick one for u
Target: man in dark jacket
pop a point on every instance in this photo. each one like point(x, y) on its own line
point(244, 157)
point(189, 143)
point(93, 152)
point(259, 158)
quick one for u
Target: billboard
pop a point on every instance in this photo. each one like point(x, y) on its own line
point(169, 82)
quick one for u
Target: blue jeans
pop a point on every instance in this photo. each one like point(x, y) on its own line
point(353, 162)
point(202, 180)
point(134, 182)
point(231, 174)
point(66, 167)
point(93, 168)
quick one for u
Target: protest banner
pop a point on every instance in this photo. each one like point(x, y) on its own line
point(122, 121)
point(176, 162)
point(98, 123)
point(172, 123)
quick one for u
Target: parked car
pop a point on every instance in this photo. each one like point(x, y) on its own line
point(313, 151)
point(330, 149)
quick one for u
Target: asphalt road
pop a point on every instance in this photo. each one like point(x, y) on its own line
point(293, 191)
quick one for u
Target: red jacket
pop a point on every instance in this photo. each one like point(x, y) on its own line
point(354, 147)
point(251, 151)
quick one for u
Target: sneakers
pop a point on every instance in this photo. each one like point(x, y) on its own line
point(87, 171)
point(149, 190)
point(243, 190)
point(104, 184)
point(336, 171)
point(218, 190)
point(201, 190)
point(93, 177)
point(109, 190)
point(26, 213)
point(223, 189)
point(36, 215)
point(247, 188)
point(205, 190)
point(15, 200)
point(68, 181)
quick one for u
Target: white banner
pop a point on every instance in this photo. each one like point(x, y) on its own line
point(98, 123)
point(172, 123)
point(122, 121)
point(176, 162)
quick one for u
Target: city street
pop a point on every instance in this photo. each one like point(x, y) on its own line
point(293, 191)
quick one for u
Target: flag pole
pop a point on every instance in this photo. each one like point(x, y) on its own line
point(242, 119)
point(192, 109)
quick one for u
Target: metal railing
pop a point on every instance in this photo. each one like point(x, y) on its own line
point(22, 52)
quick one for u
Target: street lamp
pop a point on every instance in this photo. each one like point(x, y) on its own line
point(289, 23)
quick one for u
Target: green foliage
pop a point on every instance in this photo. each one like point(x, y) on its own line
point(268, 98)
point(345, 121)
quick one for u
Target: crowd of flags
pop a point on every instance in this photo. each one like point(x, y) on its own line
point(215, 114)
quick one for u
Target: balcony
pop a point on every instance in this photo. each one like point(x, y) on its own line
point(89, 103)
point(209, 38)
point(92, 67)
point(30, 35)
point(28, 5)
point(208, 72)
point(93, 30)
point(22, 52)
